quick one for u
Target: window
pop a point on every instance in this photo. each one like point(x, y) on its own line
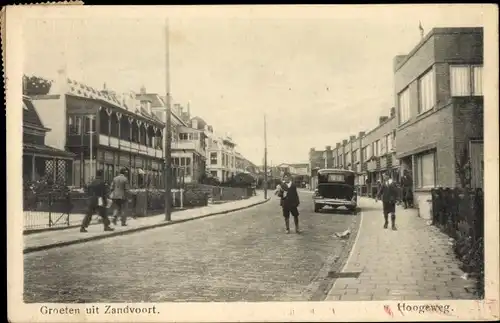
point(425, 170)
point(477, 76)
point(466, 80)
point(404, 106)
point(375, 149)
point(383, 146)
point(75, 125)
point(213, 158)
point(389, 142)
point(183, 136)
point(355, 156)
point(363, 154)
point(426, 91)
point(367, 154)
point(347, 159)
point(214, 173)
point(187, 169)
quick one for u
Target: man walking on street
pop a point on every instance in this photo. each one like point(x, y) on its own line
point(119, 188)
point(388, 193)
point(289, 202)
point(97, 202)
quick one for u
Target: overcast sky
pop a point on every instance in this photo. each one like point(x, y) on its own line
point(318, 78)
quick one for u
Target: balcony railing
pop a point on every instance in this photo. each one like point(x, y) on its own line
point(188, 145)
point(129, 146)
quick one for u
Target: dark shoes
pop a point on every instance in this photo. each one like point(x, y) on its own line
point(83, 230)
point(386, 225)
point(115, 221)
point(394, 227)
point(109, 229)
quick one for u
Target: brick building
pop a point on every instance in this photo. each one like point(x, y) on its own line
point(378, 152)
point(439, 110)
point(316, 162)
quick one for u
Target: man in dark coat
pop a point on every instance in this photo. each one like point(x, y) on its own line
point(407, 185)
point(97, 202)
point(388, 193)
point(289, 202)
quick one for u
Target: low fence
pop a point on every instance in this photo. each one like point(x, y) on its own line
point(52, 209)
point(460, 214)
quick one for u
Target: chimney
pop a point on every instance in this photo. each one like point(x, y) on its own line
point(189, 109)
point(352, 138)
point(361, 134)
point(344, 142)
point(143, 90)
point(194, 123)
point(393, 112)
point(397, 61)
point(337, 145)
point(329, 157)
point(382, 119)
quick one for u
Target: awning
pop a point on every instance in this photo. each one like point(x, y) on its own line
point(47, 151)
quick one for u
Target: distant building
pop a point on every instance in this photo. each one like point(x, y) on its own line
point(188, 143)
point(439, 110)
point(221, 156)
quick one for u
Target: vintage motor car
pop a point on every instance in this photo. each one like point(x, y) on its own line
point(335, 188)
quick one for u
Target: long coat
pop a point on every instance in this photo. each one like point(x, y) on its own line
point(388, 192)
point(119, 187)
point(291, 198)
point(97, 189)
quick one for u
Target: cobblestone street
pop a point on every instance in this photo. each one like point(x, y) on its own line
point(240, 256)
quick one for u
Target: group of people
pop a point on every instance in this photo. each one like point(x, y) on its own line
point(388, 192)
point(101, 197)
point(404, 190)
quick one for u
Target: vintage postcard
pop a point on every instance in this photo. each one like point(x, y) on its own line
point(252, 163)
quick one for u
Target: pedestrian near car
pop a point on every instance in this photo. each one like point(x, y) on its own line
point(388, 193)
point(289, 202)
point(119, 190)
point(97, 202)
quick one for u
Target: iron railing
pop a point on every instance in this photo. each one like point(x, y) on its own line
point(460, 214)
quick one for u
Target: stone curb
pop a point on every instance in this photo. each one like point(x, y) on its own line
point(124, 232)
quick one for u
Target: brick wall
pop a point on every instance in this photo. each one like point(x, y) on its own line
point(432, 130)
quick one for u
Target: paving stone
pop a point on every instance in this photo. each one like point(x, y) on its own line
point(414, 262)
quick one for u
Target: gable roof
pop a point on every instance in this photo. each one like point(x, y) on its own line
point(30, 116)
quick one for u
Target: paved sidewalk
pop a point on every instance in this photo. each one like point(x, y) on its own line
point(57, 238)
point(416, 262)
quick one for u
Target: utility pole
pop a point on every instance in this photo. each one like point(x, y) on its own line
point(265, 158)
point(91, 137)
point(167, 172)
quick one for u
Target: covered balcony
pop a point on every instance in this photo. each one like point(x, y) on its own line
point(130, 134)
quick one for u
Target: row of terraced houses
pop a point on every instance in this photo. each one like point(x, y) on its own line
point(435, 130)
point(75, 129)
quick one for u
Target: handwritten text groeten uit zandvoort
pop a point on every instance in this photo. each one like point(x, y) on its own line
point(98, 309)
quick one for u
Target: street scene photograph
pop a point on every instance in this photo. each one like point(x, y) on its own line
point(329, 158)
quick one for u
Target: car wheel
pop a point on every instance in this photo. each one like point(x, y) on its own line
point(317, 208)
point(352, 209)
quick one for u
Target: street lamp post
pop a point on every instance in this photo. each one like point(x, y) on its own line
point(265, 158)
point(168, 135)
point(91, 135)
